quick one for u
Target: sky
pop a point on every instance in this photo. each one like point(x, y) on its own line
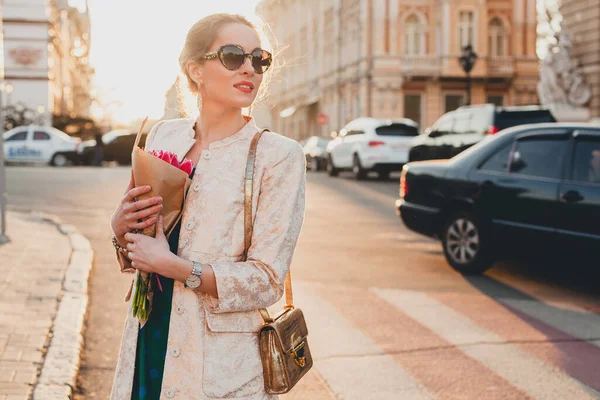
point(135, 46)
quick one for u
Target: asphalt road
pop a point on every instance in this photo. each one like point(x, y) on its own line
point(387, 316)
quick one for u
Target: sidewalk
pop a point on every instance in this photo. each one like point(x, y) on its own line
point(43, 297)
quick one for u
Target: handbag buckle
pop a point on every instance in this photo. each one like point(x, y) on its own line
point(298, 353)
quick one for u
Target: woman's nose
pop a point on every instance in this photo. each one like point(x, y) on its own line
point(246, 67)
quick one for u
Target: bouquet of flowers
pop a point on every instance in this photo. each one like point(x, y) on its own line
point(169, 179)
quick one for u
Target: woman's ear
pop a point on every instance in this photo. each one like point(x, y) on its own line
point(195, 71)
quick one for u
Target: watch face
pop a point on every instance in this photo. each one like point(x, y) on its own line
point(193, 281)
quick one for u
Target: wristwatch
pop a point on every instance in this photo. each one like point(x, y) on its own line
point(194, 280)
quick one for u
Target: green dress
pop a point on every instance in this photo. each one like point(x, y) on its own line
point(152, 339)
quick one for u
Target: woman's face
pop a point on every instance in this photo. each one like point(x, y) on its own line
point(231, 89)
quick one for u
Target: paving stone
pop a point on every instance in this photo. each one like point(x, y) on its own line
point(57, 260)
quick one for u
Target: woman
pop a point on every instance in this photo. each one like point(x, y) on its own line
point(201, 341)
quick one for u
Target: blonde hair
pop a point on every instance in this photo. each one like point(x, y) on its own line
point(202, 36)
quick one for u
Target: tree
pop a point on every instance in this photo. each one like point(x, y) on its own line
point(19, 114)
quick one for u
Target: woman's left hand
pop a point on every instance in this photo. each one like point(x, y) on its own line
point(149, 254)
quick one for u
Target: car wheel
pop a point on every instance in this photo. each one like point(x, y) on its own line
point(384, 175)
point(359, 172)
point(59, 160)
point(331, 169)
point(314, 165)
point(466, 244)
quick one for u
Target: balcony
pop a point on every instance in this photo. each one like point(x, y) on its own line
point(421, 65)
point(501, 66)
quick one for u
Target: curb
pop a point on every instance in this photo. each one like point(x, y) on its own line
point(60, 367)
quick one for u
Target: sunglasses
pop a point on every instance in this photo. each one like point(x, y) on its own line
point(233, 57)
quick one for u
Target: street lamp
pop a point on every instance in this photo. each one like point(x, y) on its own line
point(467, 62)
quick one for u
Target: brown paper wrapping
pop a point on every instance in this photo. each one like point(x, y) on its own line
point(166, 181)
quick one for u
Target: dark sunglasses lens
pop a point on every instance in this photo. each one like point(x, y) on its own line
point(261, 61)
point(232, 57)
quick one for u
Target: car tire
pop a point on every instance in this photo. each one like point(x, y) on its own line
point(359, 172)
point(384, 175)
point(331, 169)
point(59, 160)
point(466, 243)
point(314, 165)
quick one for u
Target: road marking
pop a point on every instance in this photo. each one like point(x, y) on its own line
point(351, 363)
point(442, 368)
point(538, 379)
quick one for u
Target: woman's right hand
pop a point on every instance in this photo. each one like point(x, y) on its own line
point(127, 215)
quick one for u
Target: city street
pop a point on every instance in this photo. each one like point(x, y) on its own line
point(388, 318)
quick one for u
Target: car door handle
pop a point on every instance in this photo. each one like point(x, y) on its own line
point(572, 196)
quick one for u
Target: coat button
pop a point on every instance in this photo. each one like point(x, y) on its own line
point(197, 187)
point(190, 225)
point(179, 310)
point(175, 352)
point(170, 393)
point(207, 155)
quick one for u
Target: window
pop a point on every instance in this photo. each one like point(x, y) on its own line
point(586, 161)
point(414, 36)
point(412, 107)
point(499, 161)
point(466, 28)
point(40, 136)
point(541, 158)
point(354, 132)
point(497, 100)
point(453, 101)
point(397, 130)
point(497, 38)
point(19, 136)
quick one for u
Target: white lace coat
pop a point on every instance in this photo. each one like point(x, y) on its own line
point(212, 349)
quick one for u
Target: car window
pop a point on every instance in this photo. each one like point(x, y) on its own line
point(498, 162)
point(506, 119)
point(38, 135)
point(397, 130)
point(354, 132)
point(541, 157)
point(586, 161)
point(19, 136)
point(444, 124)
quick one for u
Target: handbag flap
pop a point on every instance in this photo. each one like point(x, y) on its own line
point(290, 327)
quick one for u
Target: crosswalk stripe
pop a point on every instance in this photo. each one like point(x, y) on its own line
point(441, 367)
point(539, 380)
point(351, 363)
point(572, 355)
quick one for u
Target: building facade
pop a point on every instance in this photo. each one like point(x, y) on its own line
point(581, 20)
point(46, 47)
point(395, 58)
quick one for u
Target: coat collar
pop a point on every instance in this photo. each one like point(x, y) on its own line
point(248, 129)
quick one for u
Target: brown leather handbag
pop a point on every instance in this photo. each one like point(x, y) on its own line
point(283, 339)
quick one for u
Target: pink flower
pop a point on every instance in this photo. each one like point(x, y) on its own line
point(187, 166)
point(168, 157)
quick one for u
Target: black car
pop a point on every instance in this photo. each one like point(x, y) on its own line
point(458, 130)
point(314, 150)
point(534, 185)
point(118, 145)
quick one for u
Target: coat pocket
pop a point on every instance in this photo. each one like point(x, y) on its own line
point(232, 363)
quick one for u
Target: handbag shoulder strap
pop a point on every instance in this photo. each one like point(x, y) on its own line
point(248, 225)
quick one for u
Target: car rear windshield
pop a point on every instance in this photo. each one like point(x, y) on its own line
point(507, 119)
point(397, 130)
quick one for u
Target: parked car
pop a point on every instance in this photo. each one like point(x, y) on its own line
point(40, 144)
point(534, 185)
point(118, 145)
point(458, 130)
point(314, 150)
point(369, 144)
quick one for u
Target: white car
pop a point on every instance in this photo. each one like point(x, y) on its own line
point(369, 144)
point(40, 144)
